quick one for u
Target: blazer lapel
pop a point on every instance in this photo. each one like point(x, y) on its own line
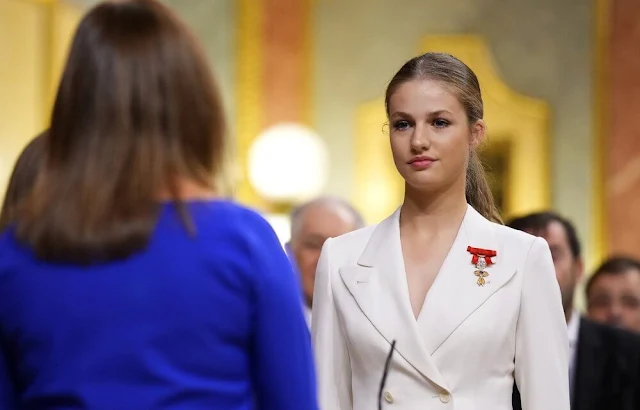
point(455, 294)
point(380, 291)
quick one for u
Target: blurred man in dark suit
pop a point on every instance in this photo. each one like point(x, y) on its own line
point(613, 293)
point(605, 362)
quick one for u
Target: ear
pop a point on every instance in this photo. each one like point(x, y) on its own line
point(478, 133)
point(580, 269)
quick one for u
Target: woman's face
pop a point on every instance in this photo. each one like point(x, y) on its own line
point(430, 135)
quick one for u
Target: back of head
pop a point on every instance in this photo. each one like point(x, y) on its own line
point(537, 224)
point(615, 265)
point(331, 202)
point(136, 112)
point(463, 83)
point(22, 179)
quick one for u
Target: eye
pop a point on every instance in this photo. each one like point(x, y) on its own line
point(440, 123)
point(401, 125)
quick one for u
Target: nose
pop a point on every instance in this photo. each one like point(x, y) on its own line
point(420, 139)
point(615, 314)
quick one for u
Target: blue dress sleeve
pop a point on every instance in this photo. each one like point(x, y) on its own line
point(282, 359)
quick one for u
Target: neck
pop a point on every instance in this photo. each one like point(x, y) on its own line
point(187, 189)
point(433, 211)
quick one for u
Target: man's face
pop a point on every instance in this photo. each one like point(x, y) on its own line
point(568, 268)
point(317, 224)
point(615, 299)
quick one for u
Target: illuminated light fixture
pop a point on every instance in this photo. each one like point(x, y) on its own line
point(288, 162)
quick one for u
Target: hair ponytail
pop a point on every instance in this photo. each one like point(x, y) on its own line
point(478, 192)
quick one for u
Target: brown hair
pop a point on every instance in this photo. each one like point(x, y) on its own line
point(22, 179)
point(614, 266)
point(462, 81)
point(137, 111)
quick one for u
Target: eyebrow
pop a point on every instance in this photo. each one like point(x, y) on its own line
point(431, 114)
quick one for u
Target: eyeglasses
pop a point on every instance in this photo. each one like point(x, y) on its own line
point(385, 373)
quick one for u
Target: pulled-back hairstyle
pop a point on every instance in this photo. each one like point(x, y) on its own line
point(22, 179)
point(136, 112)
point(463, 83)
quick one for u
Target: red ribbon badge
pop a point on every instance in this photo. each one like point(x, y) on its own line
point(487, 254)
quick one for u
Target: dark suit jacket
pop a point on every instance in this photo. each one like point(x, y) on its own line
point(607, 369)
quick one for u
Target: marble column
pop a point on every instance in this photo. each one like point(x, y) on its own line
point(274, 79)
point(622, 131)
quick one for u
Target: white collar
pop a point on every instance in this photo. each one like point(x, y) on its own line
point(573, 327)
point(307, 314)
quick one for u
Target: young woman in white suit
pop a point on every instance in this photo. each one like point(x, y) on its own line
point(468, 304)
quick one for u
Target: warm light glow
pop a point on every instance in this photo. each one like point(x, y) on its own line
point(281, 224)
point(288, 162)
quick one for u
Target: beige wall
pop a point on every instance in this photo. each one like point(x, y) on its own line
point(22, 79)
point(542, 49)
point(33, 43)
point(213, 22)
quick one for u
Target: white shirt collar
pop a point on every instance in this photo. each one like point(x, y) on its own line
point(307, 314)
point(573, 327)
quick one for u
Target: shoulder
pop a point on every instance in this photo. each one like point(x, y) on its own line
point(230, 239)
point(14, 258)
point(524, 246)
point(224, 230)
point(514, 238)
point(346, 249)
point(226, 212)
point(10, 249)
point(6, 238)
point(611, 338)
point(227, 218)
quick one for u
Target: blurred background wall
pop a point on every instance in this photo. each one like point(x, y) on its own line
point(34, 37)
point(544, 66)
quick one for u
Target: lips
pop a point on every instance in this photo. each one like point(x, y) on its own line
point(420, 159)
point(421, 162)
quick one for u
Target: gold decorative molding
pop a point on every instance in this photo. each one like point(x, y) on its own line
point(378, 187)
point(515, 121)
point(32, 37)
point(249, 115)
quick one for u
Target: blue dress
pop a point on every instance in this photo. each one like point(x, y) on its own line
point(212, 321)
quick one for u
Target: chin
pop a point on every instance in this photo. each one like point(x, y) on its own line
point(424, 184)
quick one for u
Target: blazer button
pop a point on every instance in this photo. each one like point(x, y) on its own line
point(388, 397)
point(445, 397)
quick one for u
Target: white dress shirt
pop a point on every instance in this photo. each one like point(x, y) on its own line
point(307, 314)
point(573, 329)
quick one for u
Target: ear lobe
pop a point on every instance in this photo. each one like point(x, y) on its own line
point(478, 132)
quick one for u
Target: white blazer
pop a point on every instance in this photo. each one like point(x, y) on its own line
point(469, 340)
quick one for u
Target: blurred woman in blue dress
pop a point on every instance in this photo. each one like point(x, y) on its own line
point(126, 282)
